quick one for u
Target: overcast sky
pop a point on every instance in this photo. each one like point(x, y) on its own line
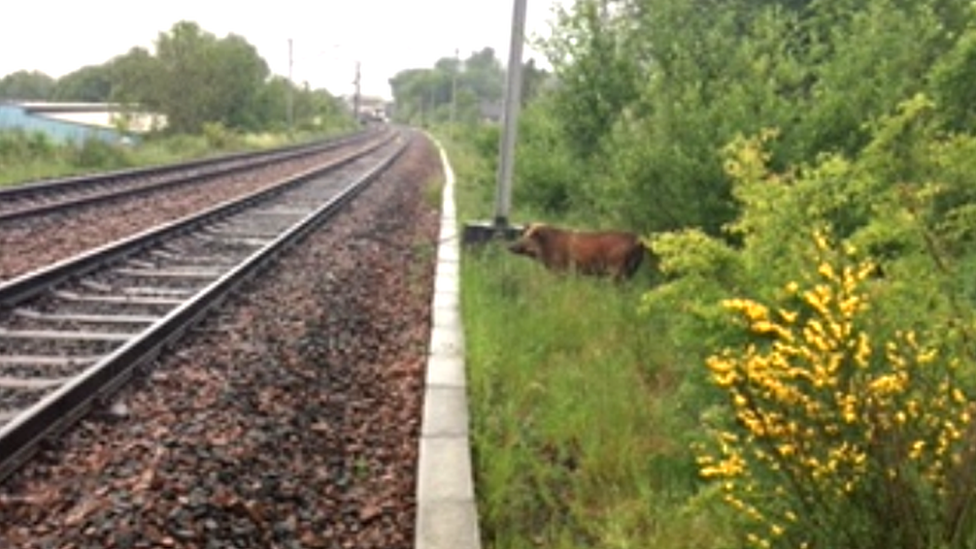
point(59, 36)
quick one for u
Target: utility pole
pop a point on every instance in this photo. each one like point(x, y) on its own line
point(457, 68)
point(291, 101)
point(513, 100)
point(355, 97)
point(482, 232)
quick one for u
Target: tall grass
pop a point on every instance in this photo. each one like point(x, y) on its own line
point(32, 156)
point(577, 426)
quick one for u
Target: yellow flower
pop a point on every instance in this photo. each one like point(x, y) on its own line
point(821, 241)
point(916, 451)
point(887, 385)
point(927, 357)
point(850, 306)
point(709, 472)
point(863, 353)
point(788, 316)
point(827, 271)
point(719, 366)
point(816, 398)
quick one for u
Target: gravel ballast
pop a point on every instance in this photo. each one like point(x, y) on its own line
point(288, 419)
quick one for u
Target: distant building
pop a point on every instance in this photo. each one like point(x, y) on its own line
point(371, 109)
point(490, 111)
point(77, 122)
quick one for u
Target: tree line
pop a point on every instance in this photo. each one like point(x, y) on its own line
point(473, 87)
point(193, 78)
point(649, 91)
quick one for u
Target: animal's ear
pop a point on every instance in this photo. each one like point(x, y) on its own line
point(531, 230)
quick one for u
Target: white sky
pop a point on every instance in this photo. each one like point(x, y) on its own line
point(59, 36)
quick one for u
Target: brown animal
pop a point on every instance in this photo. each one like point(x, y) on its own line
point(616, 254)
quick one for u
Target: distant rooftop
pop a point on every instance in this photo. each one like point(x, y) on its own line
point(100, 115)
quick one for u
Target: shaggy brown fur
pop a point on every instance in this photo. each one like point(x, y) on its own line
point(616, 254)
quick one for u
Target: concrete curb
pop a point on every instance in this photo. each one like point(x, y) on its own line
point(447, 516)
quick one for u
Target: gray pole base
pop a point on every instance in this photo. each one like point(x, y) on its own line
point(481, 232)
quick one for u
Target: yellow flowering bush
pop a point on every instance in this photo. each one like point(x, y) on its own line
point(840, 436)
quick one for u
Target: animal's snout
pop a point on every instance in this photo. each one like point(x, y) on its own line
point(521, 247)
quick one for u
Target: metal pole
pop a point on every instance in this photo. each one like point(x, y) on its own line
point(291, 101)
point(355, 98)
point(457, 66)
point(513, 100)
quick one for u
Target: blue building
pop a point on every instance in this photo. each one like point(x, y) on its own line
point(77, 122)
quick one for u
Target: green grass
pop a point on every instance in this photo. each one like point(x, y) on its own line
point(32, 157)
point(578, 429)
point(572, 397)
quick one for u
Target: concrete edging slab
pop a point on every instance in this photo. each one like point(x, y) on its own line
point(447, 515)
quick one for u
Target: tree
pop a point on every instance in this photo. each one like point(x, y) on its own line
point(202, 79)
point(87, 84)
point(26, 86)
point(648, 91)
point(238, 74)
point(534, 80)
point(425, 94)
point(484, 74)
point(134, 76)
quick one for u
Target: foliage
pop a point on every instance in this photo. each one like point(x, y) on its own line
point(26, 86)
point(198, 78)
point(955, 83)
point(475, 85)
point(15, 144)
point(97, 155)
point(842, 437)
point(648, 92)
point(547, 171)
point(91, 84)
point(729, 132)
point(31, 156)
point(862, 65)
point(572, 423)
point(845, 407)
point(595, 73)
point(193, 78)
point(218, 137)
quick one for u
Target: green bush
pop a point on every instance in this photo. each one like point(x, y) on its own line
point(219, 137)
point(859, 344)
point(842, 436)
point(547, 177)
point(95, 154)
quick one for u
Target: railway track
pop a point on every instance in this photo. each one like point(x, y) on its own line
point(19, 202)
point(72, 333)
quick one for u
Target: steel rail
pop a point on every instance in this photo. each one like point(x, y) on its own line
point(51, 184)
point(234, 163)
point(18, 289)
point(23, 434)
